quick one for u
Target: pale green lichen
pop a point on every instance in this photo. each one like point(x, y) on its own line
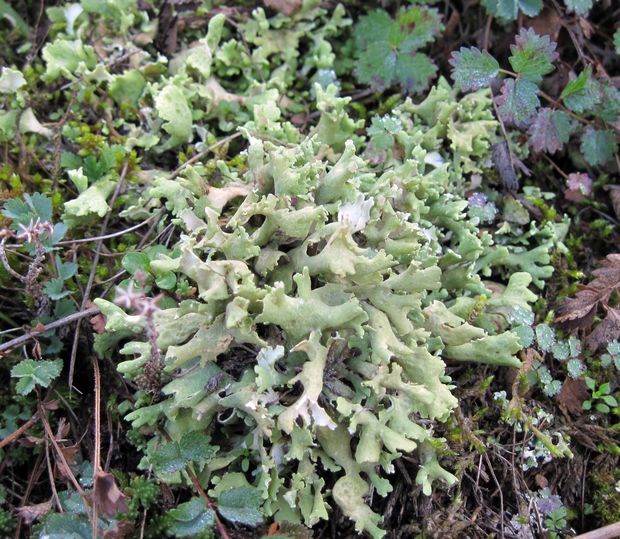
point(347, 284)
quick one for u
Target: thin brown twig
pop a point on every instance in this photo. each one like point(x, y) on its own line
point(50, 472)
point(18, 341)
point(16, 434)
point(61, 456)
point(97, 456)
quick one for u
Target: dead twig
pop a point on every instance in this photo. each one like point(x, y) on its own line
point(15, 435)
point(18, 341)
point(607, 532)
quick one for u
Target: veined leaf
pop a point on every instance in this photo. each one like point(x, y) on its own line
point(550, 130)
point(518, 101)
point(33, 373)
point(579, 7)
point(473, 68)
point(532, 55)
point(583, 93)
point(598, 146)
point(509, 9)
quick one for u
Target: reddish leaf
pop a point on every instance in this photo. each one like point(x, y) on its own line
point(579, 312)
point(550, 130)
point(107, 497)
point(30, 513)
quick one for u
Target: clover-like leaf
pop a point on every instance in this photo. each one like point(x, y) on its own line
point(550, 130)
point(172, 457)
point(518, 101)
point(473, 69)
point(532, 55)
point(545, 337)
point(598, 146)
point(33, 373)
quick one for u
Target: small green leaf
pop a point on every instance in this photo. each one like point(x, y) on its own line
point(532, 55)
point(560, 350)
point(609, 400)
point(545, 337)
point(134, 262)
point(509, 9)
point(518, 101)
point(602, 408)
point(32, 373)
point(587, 405)
point(173, 457)
point(55, 289)
point(597, 146)
point(191, 518)
point(580, 7)
point(525, 334)
point(473, 69)
point(66, 270)
point(550, 130)
point(590, 383)
point(583, 93)
point(241, 505)
point(166, 281)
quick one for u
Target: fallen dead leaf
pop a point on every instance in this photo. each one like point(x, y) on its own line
point(572, 395)
point(541, 481)
point(548, 22)
point(107, 497)
point(30, 513)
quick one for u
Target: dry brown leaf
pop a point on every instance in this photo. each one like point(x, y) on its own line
point(548, 22)
point(70, 454)
point(287, 7)
point(579, 311)
point(572, 395)
point(607, 330)
point(108, 498)
point(614, 195)
point(541, 481)
point(30, 513)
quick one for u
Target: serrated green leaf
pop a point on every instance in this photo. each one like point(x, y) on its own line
point(473, 69)
point(509, 9)
point(241, 505)
point(560, 350)
point(597, 146)
point(66, 270)
point(532, 55)
point(545, 337)
point(550, 130)
point(191, 518)
point(173, 457)
point(55, 289)
point(580, 7)
point(66, 526)
point(525, 334)
point(518, 101)
point(414, 28)
point(380, 66)
point(32, 373)
point(583, 93)
point(375, 26)
point(173, 108)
